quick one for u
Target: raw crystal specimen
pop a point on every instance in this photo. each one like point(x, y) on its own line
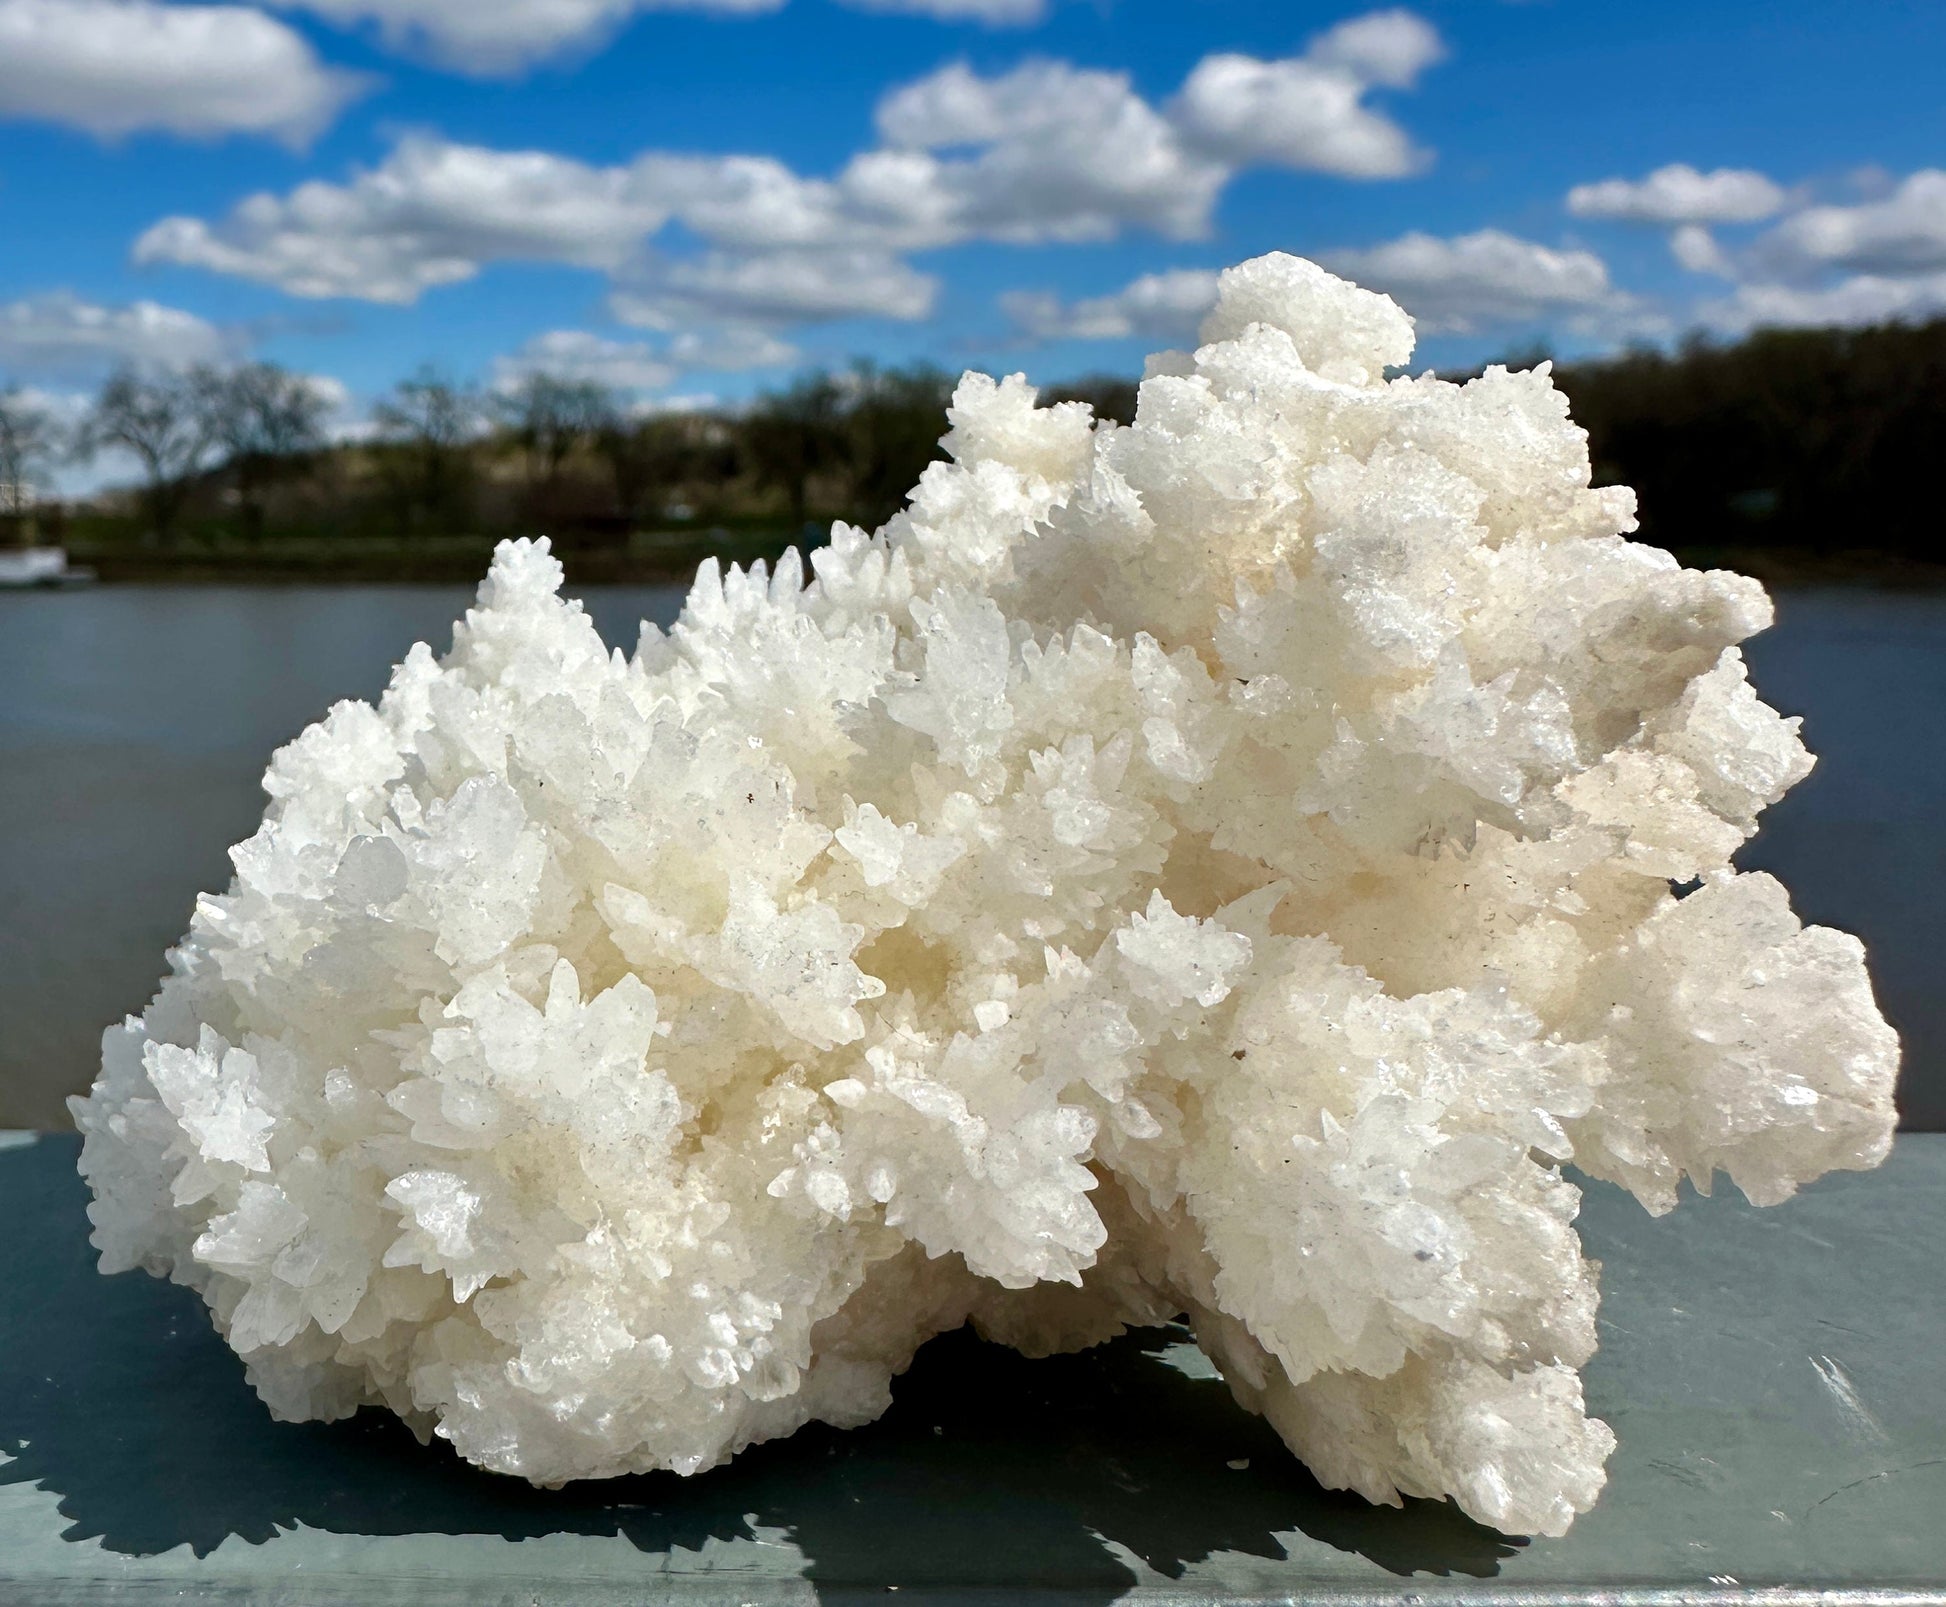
point(1224, 865)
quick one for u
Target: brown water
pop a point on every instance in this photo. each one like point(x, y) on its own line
point(135, 723)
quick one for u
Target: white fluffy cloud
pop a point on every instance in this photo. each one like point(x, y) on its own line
point(880, 201)
point(431, 214)
point(115, 67)
point(59, 474)
point(636, 366)
point(1309, 111)
point(344, 419)
point(773, 289)
point(1896, 236)
point(729, 348)
point(1050, 151)
point(434, 213)
point(1869, 262)
point(498, 36)
point(1866, 262)
point(61, 336)
point(1468, 284)
point(1059, 154)
point(994, 13)
point(504, 36)
point(1679, 194)
point(1482, 280)
point(1864, 298)
point(1045, 152)
point(1157, 306)
point(577, 354)
point(1699, 251)
point(65, 408)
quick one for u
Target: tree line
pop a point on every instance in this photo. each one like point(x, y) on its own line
point(1799, 440)
point(248, 452)
point(1819, 441)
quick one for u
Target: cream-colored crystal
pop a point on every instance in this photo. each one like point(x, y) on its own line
point(1222, 865)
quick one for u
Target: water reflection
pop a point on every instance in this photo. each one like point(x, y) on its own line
point(135, 722)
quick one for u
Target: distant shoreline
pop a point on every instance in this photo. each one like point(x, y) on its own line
point(463, 564)
point(648, 558)
point(1785, 570)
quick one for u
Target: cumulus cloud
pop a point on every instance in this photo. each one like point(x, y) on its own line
point(67, 411)
point(1061, 153)
point(501, 36)
point(1861, 299)
point(493, 37)
point(1382, 47)
point(344, 419)
point(1481, 280)
point(1679, 194)
point(1472, 283)
point(577, 354)
point(637, 367)
point(1699, 251)
point(776, 288)
point(61, 336)
point(115, 67)
point(63, 406)
point(431, 214)
point(1310, 111)
point(1874, 261)
point(880, 201)
point(434, 213)
point(1157, 306)
point(1053, 152)
point(1898, 235)
point(730, 348)
point(1045, 152)
point(994, 13)
point(1870, 261)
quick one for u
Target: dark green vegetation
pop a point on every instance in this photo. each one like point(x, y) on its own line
point(1806, 449)
point(1799, 454)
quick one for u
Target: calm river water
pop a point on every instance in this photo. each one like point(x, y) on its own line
point(135, 722)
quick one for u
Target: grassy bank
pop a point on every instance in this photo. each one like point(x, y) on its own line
point(670, 557)
point(1804, 457)
point(647, 557)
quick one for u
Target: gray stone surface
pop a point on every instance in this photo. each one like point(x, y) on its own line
point(1776, 1379)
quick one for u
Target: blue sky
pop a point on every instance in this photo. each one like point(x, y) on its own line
point(693, 198)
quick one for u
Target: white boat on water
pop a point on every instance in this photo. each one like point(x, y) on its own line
point(39, 566)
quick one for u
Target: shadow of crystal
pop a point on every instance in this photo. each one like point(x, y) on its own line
point(990, 1470)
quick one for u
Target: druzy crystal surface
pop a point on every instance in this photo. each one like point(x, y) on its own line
point(1224, 866)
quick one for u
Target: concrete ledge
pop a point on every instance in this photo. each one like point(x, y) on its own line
point(1777, 1380)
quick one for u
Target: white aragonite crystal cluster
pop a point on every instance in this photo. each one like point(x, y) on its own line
point(1225, 865)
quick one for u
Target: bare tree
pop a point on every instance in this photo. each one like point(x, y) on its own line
point(549, 417)
point(430, 420)
point(160, 420)
point(29, 439)
point(267, 421)
point(892, 428)
point(797, 433)
point(643, 454)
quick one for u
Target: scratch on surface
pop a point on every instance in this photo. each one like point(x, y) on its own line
point(1873, 1478)
point(1857, 1418)
point(1677, 1471)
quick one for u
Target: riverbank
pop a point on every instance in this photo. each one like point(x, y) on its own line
point(644, 558)
point(1784, 569)
point(670, 558)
